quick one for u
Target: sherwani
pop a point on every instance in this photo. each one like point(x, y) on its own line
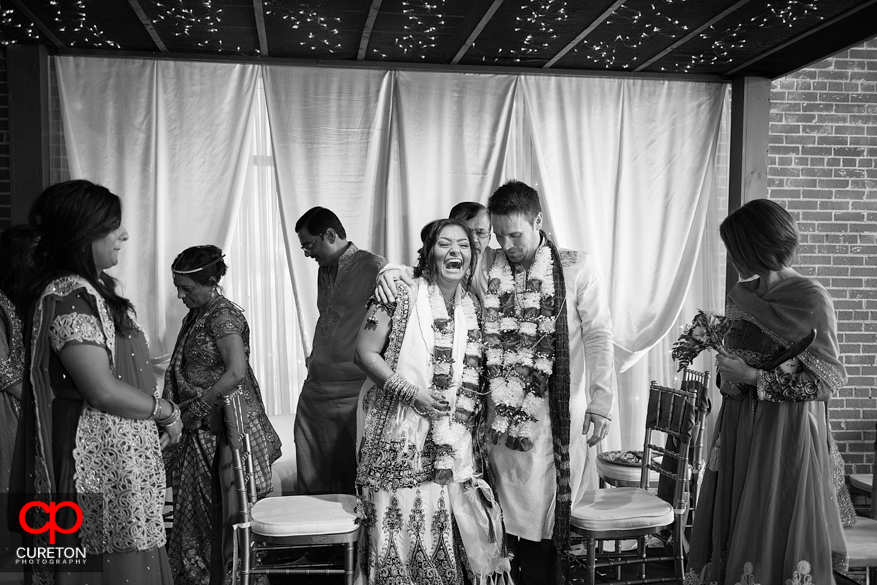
point(325, 422)
point(526, 481)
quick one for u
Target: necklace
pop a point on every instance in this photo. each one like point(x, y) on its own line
point(449, 429)
point(519, 339)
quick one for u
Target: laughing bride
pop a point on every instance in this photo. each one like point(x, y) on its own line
point(427, 512)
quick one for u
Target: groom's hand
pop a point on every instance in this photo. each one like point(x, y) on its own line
point(601, 427)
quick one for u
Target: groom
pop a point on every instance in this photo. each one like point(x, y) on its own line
point(543, 465)
point(536, 486)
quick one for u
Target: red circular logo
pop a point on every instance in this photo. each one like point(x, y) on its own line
point(52, 526)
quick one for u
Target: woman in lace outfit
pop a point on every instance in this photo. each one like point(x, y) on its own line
point(92, 395)
point(16, 250)
point(771, 506)
point(210, 359)
point(420, 477)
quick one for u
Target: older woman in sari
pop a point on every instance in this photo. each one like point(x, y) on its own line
point(210, 359)
point(420, 471)
point(772, 501)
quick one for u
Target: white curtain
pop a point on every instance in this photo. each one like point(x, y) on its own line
point(171, 138)
point(330, 134)
point(259, 279)
point(625, 169)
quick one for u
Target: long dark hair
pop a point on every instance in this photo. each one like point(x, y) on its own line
point(429, 235)
point(16, 263)
point(68, 218)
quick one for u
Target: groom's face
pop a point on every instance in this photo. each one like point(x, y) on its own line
point(517, 235)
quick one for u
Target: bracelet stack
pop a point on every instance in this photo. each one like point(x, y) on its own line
point(198, 408)
point(404, 390)
point(156, 407)
point(173, 417)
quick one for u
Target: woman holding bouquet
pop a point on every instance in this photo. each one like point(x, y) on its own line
point(427, 513)
point(772, 502)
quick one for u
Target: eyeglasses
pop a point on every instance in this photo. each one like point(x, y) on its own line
point(482, 234)
point(309, 245)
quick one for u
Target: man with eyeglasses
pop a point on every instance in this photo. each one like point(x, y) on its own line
point(325, 422)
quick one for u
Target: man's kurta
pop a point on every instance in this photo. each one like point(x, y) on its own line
point(526, 479)
point(325, 423)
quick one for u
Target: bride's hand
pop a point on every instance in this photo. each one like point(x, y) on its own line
point(428, 404)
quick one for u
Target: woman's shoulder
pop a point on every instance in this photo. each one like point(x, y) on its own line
point(67, 284)
point(226, 312)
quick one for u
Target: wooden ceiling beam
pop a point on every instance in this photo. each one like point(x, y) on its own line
point(259, 13)
point(480, 27)
point(43, 28)
point(147, 24)
point(802, 36)
point(694, 33)
point(367, 30)
point(597, 22)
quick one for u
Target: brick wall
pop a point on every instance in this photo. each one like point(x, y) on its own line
point(823, 168)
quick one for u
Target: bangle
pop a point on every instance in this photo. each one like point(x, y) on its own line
point(156, 408)
point(173, 417)
point(198, 408)
point(404, 390)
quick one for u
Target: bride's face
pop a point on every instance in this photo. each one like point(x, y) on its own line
point(452, 254)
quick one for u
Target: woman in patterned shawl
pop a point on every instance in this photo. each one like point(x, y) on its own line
point(210, 359)
point(16, 251)
point(91, 402)
point(428, 515)
point(772, 501)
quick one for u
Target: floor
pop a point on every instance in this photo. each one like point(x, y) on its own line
point(576, 578)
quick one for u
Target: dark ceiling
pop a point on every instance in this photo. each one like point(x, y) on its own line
point(723, 38)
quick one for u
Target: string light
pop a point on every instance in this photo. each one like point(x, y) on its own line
point(71, 17)
point(184, 18)
point(629, 29)
point(535, 32)
point(726, 44)
point(424, 19)
point(14, 28)
point(323, 33)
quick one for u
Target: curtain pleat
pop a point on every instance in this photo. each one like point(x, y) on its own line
point(171, 139)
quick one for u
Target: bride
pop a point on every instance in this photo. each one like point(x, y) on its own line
point(421, 471)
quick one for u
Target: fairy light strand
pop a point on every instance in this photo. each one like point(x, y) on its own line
point(322, 30)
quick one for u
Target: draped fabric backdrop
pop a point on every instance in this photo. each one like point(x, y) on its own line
point(171, 139)
point(625, 168)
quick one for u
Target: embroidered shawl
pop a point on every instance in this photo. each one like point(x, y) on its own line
point(786, 313)
point(558, 403)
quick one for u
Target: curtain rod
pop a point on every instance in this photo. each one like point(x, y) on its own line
point(428, 67)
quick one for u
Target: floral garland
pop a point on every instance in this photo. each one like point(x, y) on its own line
point(449, 430)
point(519, 342)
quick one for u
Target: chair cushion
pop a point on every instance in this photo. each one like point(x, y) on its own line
point(305, 515)
point(862, 543)
point(624, 508)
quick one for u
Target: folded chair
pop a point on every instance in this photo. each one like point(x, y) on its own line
point(623, 513)
point(862, 538)
point(272, 525)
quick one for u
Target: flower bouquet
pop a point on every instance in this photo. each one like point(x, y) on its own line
point(707, 331)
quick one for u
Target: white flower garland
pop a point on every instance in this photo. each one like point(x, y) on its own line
point(449, 430)
point(519, 342)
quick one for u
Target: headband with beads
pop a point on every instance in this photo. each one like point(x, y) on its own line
point(199, 269)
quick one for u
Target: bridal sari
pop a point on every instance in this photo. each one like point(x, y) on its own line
point(414, 529)
point(773, 505)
